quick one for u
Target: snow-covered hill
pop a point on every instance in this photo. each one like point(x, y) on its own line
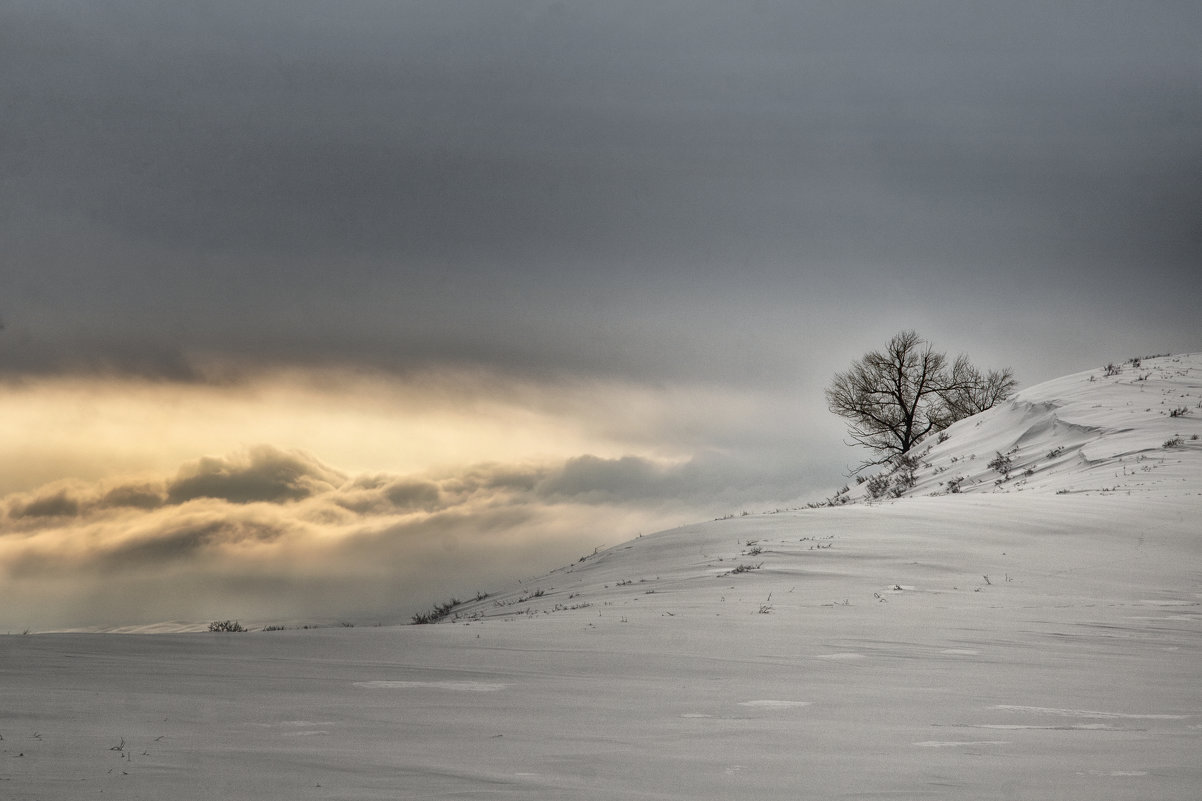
point(1134, 430)
point(1033, 637)
point(1130, 427)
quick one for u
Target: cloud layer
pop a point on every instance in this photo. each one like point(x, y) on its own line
point(366, 493)
point(591, 188)
point(268, 532)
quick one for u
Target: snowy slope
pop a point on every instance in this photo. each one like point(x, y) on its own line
point(1087, 433)
point(1038, 638)
point(1091, 431)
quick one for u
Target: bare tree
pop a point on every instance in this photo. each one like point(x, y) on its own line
point(895, 397)
point(972, 392)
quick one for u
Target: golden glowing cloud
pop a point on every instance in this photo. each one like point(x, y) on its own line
point(92, 428)
point(305, 493)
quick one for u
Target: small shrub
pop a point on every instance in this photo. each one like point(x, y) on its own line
point(953, 484)
point(1112, 369)
point(1180, 411)
point(878, 485)
point(742, 569)
point(436, 614)
point(1001, 464)
point(904, 475)
point(226, 625)
point(1175, 442)
point(1054, 452)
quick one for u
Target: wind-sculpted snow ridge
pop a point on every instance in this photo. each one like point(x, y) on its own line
point(1132, 427)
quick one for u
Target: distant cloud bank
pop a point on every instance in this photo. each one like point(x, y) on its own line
point(268, 532)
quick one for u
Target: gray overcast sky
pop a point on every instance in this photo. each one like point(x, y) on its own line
point(431, 293)
point(671, 189)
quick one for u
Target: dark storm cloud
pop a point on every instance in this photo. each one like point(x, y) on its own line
point(184, 540)
point(59, 504)
point(265, 474)
point(390, 495)
point(413, 495)
point(138, 496)
point(553, 185)
point(495, 477)
point(260, 475)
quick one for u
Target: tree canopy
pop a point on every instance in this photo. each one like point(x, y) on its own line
point(895, 397)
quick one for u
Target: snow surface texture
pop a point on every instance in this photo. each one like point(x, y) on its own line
point(1037, 638)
